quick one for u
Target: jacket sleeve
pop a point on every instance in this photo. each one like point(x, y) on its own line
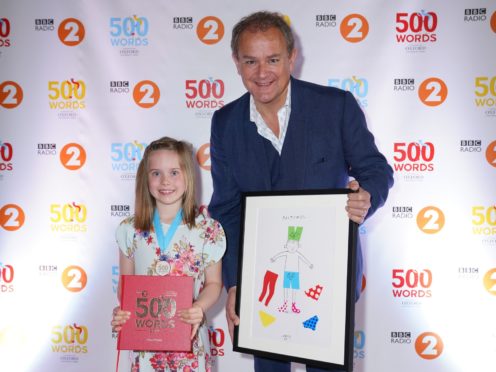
point(226, 198)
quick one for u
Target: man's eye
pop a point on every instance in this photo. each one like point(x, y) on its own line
point(274, 60)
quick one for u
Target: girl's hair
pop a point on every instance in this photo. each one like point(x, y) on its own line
point(144, 204)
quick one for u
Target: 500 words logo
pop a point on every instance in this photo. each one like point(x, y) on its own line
point(412, 283)
point(4, 33)
point(69, 217)
point(430, 220)
point(11, 94)
point(217, 339)
point(204, 96)
point(354, 28)
point(358, 86)
point(69, 339)
point(125, 158)
point(71, 32)
point(6, 154)
point(429, 345)
point(210, 30)
point(129, 33)
point(484, 220)
point(67, 96)
point(418, 27)
point(485, 94)
point(414, 159)
point(6, 278)
point(359, 345)
point(11, 217)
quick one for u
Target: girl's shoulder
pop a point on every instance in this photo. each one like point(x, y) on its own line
point(204, 219)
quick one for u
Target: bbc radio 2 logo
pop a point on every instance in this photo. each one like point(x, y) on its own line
point(69, 339)
point(418, 27)
point(217, 339)
point(146, 94)
point(490, 281)
point(203, 157)
point(412, 283)
point(484, 220)
point(204, 94)
point(44, 24)
point(429, 345)
point(11, 94)
point(414, 156)
point(4, 33)
point(69, 217)
point(74, 278)
point(358, 86)
point(182, 23)
point(433, 92)
point(475, 15)
point(210, 30)
point(354, 28)
point(71, 32)
point(12, 217)
point(73, 156)
point(430, 220)
point(67, 94)
point(129, 32)
point(491, 154)
point(126, 156)
point(325, 20)
point(6, 154)
point(6, 278)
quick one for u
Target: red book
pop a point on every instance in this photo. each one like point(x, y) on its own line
point(154, 302)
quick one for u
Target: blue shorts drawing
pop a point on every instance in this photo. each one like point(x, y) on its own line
point(291, 279)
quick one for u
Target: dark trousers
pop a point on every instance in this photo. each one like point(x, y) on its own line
point(271, 365)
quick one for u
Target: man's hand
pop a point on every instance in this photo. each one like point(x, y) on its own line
point(358, 203)
point(232, 318)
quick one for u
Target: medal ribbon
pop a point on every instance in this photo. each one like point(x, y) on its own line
point(165, 239)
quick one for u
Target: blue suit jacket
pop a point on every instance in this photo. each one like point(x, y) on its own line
point(327, 141)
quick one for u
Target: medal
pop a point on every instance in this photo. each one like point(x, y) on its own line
point(162, 268)
point(164, 240)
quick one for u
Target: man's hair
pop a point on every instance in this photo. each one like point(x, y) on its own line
point(262, 21)
point(144, 204)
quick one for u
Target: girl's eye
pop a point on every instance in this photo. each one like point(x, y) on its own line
point(175, 172)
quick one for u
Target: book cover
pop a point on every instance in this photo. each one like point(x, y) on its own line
point(154, 302)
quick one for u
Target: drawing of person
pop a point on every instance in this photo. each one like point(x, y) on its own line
point(292, 267)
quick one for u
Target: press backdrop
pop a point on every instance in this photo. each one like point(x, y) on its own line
point(86, 85)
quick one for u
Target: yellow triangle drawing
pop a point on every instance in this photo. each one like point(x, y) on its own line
point(266, 319)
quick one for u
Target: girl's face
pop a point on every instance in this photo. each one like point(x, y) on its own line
point(166, 179)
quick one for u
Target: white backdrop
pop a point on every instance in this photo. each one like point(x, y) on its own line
point(85, 86)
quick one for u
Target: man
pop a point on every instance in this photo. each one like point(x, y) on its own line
point(286, 134)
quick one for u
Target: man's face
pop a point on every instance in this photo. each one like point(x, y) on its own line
point(265, 66)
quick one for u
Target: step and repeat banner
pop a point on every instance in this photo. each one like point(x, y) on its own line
point(85, 86)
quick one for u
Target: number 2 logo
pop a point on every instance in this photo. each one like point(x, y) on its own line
point(210, 30)
point(430, 220)
point(429, 345)
point(71, 32)
point(490, 281)
point(10, 94)
point(73, 156)
point(433, 92)
point(11, 217)
point(354, 28)
point(74, 279)
point(146, 94)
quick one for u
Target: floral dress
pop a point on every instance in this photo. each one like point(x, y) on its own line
point(189, 253)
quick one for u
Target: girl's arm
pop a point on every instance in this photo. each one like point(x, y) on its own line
point(208, 296)
point(119, 317)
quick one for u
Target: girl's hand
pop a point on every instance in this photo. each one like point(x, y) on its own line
point(119, 318)
point(194, 316)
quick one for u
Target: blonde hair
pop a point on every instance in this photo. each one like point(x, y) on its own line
point(144, 204)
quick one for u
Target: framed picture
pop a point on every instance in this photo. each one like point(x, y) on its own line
point(296, 278)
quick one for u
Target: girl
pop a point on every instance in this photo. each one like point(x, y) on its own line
point(165, 199)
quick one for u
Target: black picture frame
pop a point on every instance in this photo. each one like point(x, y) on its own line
point(310, 232)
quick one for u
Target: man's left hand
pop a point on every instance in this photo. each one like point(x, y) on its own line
point(358, 203)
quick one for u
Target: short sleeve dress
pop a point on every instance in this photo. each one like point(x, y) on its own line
point(189, 253)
